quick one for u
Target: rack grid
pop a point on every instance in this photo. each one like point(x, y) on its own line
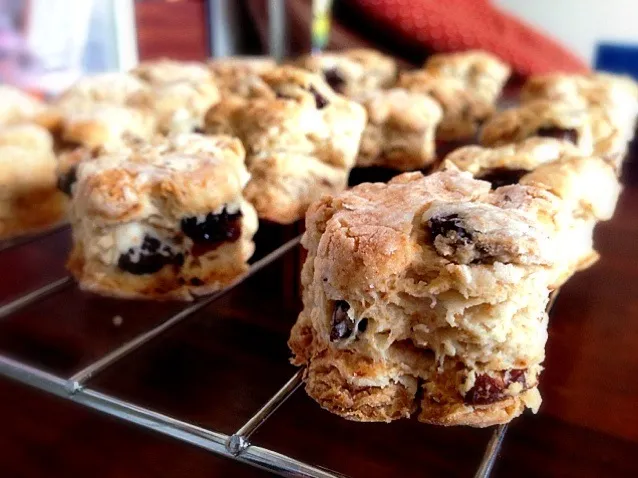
point(237, 446)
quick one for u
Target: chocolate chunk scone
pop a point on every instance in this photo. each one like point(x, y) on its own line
point(401, 129)
point(428, 294)
point(162, 221)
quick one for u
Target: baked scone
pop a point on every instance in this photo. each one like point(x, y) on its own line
point(479, 71)
point(549, 119)
point(160, 223)
point(464, 111)
point(507, 164)
point(589, 189)
point(352, 72)
point(302, 117)
point(29, 199)
point(17, 106)
point(401, 129)
point(426, 293)
point(283, 185)
point(240, 75)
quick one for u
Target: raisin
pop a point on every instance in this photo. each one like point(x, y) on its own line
point(567, 134)
point(214, 230)
point(199, 130)
point(362, 326)
point(451, 227)
point(67, 180)
point(342, 324)
point(334, 79)
point(486, 390)
point(196, 281)
point(320, 100)
point(149, 258)
point(515, 376)
point(503, 176)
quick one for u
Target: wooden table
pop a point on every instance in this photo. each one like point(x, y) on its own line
point(220, 366)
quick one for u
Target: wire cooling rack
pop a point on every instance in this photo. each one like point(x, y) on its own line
point(237, 446)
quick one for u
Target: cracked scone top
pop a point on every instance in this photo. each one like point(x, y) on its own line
point(433, 283)
point(163, 220)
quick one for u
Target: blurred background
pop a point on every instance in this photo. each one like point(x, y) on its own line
point(46, 44)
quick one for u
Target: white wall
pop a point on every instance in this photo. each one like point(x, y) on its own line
point(580, 24)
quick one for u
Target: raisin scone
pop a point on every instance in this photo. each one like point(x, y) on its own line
point(480, 71)
point(240, 75)
point(426, 293)
point(161, 222)
point(507, 164)
point(115, 88)
point(29, 199)
point(352, 72)
point(464, 111)
point(561, 120)
point(589, 189)
point(303, 118)
point(17, 106)
point(400, 133)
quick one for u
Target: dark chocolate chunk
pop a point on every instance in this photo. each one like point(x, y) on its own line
point(214, 230)
point(503, 176)
point(342, 325)
point(67, 180)
point(150, 257)
point(334, 79)
point(567, 134)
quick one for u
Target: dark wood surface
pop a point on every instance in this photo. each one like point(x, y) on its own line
point(218, 367)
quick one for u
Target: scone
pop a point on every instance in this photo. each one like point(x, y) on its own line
point(160, 223)
point(302, 117)
point(17, 106)
point(115, 88)
point(240, 75)
point(29, 199)
point(507, 164)
point(480, 71)
point(352, 72)
point(400, 133)
point(464, 111)
point(426, 293)
point(561, 120)
point(283, 185)
point(589, 190)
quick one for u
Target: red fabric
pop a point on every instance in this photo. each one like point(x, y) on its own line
point(452, 25)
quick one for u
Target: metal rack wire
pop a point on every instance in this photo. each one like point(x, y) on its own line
point(236, 446)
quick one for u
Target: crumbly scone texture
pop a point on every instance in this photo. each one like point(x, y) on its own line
point(563, 120)
point(400, 132)
point(427, 285)
point(162, 221)
point(115, 88)
point(464, 111)
point(17, 106)
point(283, 185)
point(163, 71)
point(29, 198)
point(301, 117)
point(512, 161)
point(352, 72)
point(480, 71)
